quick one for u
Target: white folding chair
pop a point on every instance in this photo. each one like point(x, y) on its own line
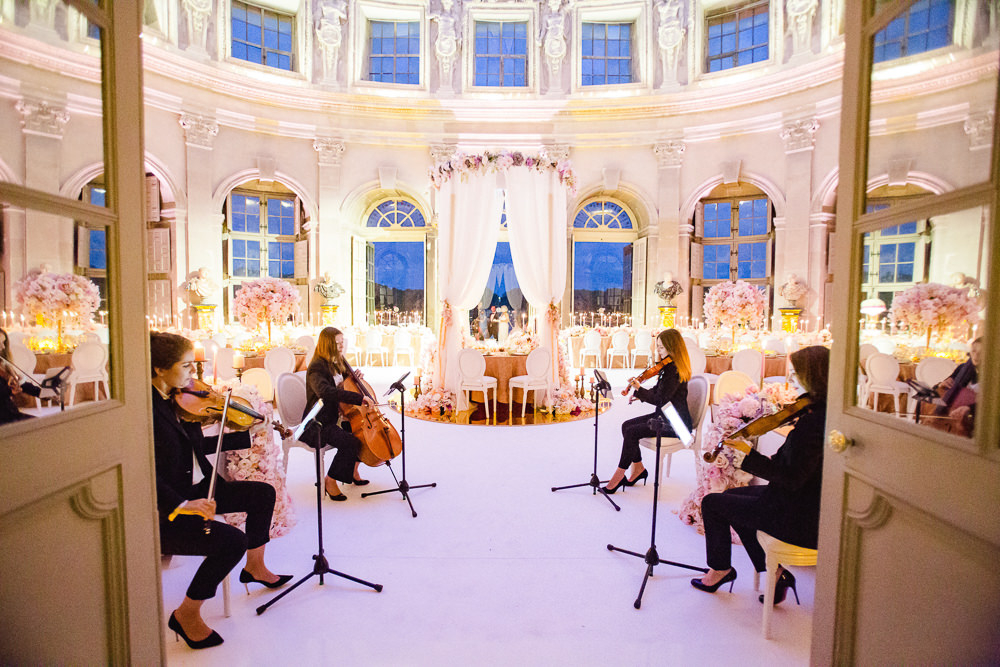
point(290, 396)
point(750, 362)
point(882, 371)
point(373, 346)
point(619, 348)
point(591, 348)
point(279, 360)
point(643, 346)
point(537, 366)
point(90, 364)
point(472, 368)
point(697, 401)
point(402, 345)
point(261, 379)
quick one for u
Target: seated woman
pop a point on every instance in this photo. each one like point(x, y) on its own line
point(959, 393)
point(183, 474)
point(10, 386)
point(323, 379)
point(671, 387)
point(788, 507)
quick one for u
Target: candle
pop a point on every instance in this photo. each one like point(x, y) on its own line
point(239, 361)
point(199, 352)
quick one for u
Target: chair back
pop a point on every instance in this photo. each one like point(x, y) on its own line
point(260, 379)
point(773, 344)
point(644, 341)
point(308, 343)
point(690, 342)
point(592, 340)
point(537, 363)
point(89, 337)
point(933, 370)
point(211, 349)
point(223, 368)
point(866, 350)
point(750, 362)
point(89, 359)
point(881, 369)
point(18, 336)
point(279, 360)
point(401, 339)
point(884, 344)
point(373, 339)
point(471, 364)
point(290, 395)
point(21, 356)
point(697, 359)
point(619, 341)
point(697, 400)
point(733, 383)
point(220, 339)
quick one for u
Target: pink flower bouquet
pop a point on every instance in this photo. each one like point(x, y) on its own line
point(731, 305)
point(266, 300)
point(47, 296)
point(930, 306)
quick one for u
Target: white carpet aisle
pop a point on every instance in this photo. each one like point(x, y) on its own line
point(496, 569)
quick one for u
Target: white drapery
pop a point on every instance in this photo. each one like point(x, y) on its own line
point(536, 223)
point(468, 229)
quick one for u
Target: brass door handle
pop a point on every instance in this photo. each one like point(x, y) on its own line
point(838, 441)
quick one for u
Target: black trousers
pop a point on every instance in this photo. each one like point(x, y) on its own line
point(348, 447)
point(633, 430)
point(738, 508)
point(225, 545)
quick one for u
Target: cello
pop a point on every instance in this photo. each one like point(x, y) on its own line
point(943, 408)
point(380, 441)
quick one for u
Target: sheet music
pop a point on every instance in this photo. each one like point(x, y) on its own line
point(680, 428)
point(300, 429)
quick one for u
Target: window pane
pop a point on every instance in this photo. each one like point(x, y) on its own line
point(602, 277)
point(399, 275)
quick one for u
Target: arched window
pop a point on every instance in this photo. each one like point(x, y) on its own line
point(604, 248)
point(894, 258)
point(396, 262)
point(90, 244)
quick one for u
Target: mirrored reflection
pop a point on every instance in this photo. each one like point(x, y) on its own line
point(933, 90)
point(922, 304)
point(55, 327)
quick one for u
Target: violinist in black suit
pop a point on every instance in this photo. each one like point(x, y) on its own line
point(324, 378)
point(10, 385)
point(183, 474)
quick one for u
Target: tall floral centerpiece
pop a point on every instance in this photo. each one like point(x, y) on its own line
point(932, 306)
point(50, 298)
point(266, 300)
point(734, 305)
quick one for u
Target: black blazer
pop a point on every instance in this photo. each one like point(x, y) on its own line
point(789, 506)
point(320, 383)
point(668, 389)
point(174, 441)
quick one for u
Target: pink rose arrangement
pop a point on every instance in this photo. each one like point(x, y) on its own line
point(433, 402)
point(930, 306)
point(463, 165)
point(46, 295)
point(266, 300)
point(731, 305)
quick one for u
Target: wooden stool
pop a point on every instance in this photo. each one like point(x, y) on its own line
point(777, 553)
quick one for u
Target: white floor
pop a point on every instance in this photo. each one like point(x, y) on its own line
point(496, 569)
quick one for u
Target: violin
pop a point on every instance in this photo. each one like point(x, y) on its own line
point(380, 441)
point(198, 402)
point(761, 425)
point(650, 372)
point(948, 413)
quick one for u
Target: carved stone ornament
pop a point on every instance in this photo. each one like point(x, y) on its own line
point(40, 118)
point(669, 153)
point(979, 127)
point(198, 130)
point(670, 36)
point(442, 152)
point(800, 15)
point(557, 152)
point(197, 13)
point(447, 43)
point(554, 43)
point(799, 134)
point(329, 150)
point(330, 34)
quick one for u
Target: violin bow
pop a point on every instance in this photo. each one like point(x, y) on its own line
point(218, 451)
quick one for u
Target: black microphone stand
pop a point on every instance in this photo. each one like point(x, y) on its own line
point(601, 389)
point(321, 566)
point(659, 425)
point(401, 484)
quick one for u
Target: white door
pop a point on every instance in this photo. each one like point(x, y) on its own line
point(639, 282)
point(79, 556)
point(910, 532)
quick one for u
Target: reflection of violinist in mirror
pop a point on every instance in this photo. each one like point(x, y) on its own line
point(671, 387)
point(183, 475)
point(955, 409)
point(786, 508)
point(11, 385)
point(323, 380)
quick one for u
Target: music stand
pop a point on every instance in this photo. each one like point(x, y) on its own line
point(602, 388)
point(321, 566)
point(402, 485)
point(651, 557)
point(924, 394)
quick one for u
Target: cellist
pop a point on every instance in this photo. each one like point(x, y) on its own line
point(323, 381)
point(958, 390)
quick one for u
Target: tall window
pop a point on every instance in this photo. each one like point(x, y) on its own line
point(926, 25)
point(394, 52)
point(603, 238)
point(892, 258)
point(261, 36)
point(606, 53)
point(397, 271)
point(737, 37)
point(501, 54)
point(91, 242)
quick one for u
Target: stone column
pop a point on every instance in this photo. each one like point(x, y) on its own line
point(665, 251)
point(48, 238)
point(798, 137)
point(332, 236)
point(819, 265)
point(199, 233)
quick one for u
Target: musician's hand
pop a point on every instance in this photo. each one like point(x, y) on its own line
point(359, 374)
point(946, 384)
point(740, 444)
point(632, 399)
point(202, 506)
point(634, 383)
point(367, 402)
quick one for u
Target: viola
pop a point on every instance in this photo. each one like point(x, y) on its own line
point(198, 402)
point(380, 441)
point(761, 425)
point(650, 372)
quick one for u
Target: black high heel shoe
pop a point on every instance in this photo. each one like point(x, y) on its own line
point(339, 496)
point(360, 482)
point(247, 578)
point(208, 642)
point(730, 577)
point(608, 490)
point(643, 475)
point(785, 581)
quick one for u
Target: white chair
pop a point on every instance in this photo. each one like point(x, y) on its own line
point(402, 345)
point(472, 367)
point(644, 347)
point(772, 344)
point(373, 346)
point(89, 337)
point(223, 369)
point(308, 343)
point(279, 360)
point(697, 401)
point(882, 371)
point(866, 350)
point(90, 361)
point(929, 372)
point(733, 383)
point(750, 362)
point(350, 346)
point(591, 348)
point(537, 365)
point(261, 379)
point(220, 339)
point(619, 347)
point(884, 344)
point(290, 396)
point(25, 360)
point(777, 553)
point(698, 362)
